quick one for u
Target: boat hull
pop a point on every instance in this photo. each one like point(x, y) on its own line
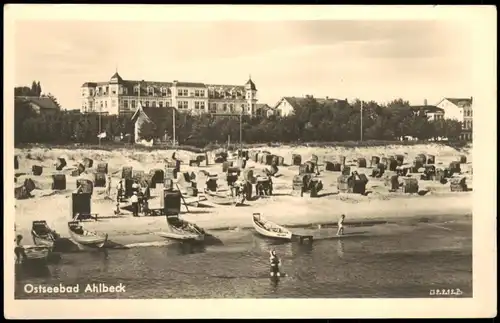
point(181, 236)
point(219, 199)
point(282, 234)
point(89, 241)
point(182, 230)
point(36, 253)
point(40, 241)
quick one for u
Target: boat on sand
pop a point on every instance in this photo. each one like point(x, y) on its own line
point(85, 237)
point(182, 230)
point(269, 229)
point(42, 234)
point(220, 199)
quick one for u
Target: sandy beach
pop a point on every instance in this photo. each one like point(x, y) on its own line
point(437, 203)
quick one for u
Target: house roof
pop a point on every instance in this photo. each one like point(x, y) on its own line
point(460, 102)
point(190, 84)
point(262, 106)
point(251, 84)
point(42, 102)
point(152, 114)
point(297, 102)
point(427, 108)
point(117, 76)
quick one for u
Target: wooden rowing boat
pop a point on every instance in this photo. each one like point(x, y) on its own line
point(36, 253)
point(182, 230)
point(219, 198)
point(85, 237)
point(42, 234)
point(270, 229)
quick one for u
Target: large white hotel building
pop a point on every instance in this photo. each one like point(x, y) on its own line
point(119, 96)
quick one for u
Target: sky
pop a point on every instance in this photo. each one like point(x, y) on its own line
point(371, 60)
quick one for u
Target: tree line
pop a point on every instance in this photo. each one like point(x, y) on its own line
point(34, 90)
point(312, 122)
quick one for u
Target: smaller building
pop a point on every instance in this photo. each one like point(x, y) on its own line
point(146, 122)
point(431, 111)
point(288, 104)
point(43, 104)
point(263, 110)
point(459, 109)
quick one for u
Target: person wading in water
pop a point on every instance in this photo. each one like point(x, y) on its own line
point(275, 264)
point(19, 249)
point(340, 230)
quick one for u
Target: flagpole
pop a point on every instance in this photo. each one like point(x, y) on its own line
point(361, 129)
point(99, 136)
point(241, 131)
point(173, 125)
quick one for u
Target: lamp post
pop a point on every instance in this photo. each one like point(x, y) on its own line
point(361, 129)
point(99, 135)
point(173, 125)
point(241, 131)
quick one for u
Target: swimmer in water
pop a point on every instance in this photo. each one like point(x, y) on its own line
point(275, 264)
point(340, 230)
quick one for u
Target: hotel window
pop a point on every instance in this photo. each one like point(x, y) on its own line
point(224, 107)
point(185, 92)
point(199, 105)
point(199, 93)
point(125, 104)
point(151, 91)
point(114, 91)
point(213, 108)
point(231, 107)
point(153, 104)
point(105, 104)
point(90, 105)
point(163, 91)
point(132, 103)
point(125, 91)
point(147, 103)
point(183, 105)
point(160, 104)
point(136, 89)
point(167, 104)
point(179, 92)
point(113, 103)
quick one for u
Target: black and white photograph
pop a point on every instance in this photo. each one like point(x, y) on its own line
point(318, 153)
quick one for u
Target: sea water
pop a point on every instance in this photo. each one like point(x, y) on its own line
point(378, 261)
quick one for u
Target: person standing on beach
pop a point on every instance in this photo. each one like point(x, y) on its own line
point(108, 186)
point(135, 204)
point(119, 191)
point(135, 187)
point(340, 230)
